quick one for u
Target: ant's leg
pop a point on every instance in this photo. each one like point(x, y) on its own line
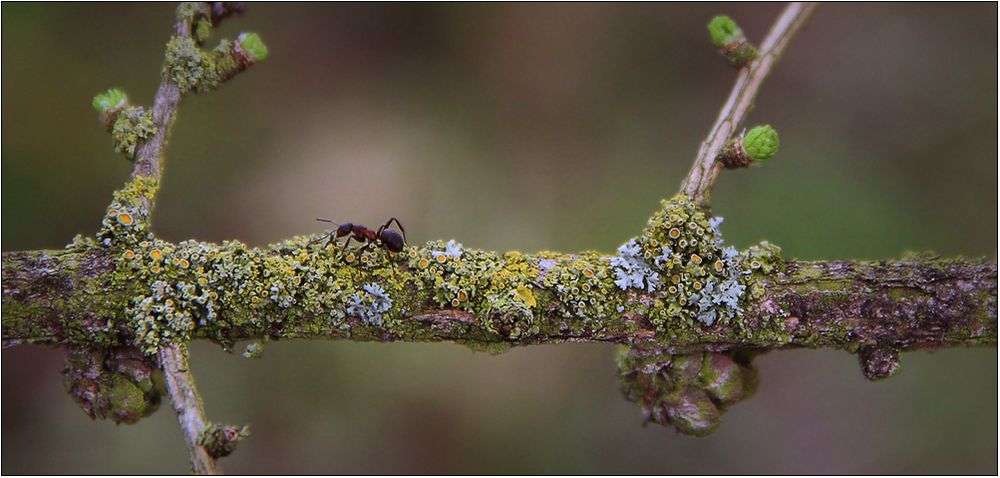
point(398, 224)
point(364, 248)
point(347, 242)
point(388, 254)
point(360, 265)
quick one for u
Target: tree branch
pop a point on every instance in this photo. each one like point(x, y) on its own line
point(706, 169)
point(64, 298)
point(687, 307)
point(165, 103)
point(187, 404)
point(173, 355)
point(181, 387)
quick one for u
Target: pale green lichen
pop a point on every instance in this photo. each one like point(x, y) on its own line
point(687, 281)
point(202, 30)
point(195, 70)
point(133, 125)
point(703, 279)
point(126, 222)
point(189, 11)
point(189, 67)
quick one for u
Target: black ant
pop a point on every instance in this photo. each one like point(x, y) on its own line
point(386, 238)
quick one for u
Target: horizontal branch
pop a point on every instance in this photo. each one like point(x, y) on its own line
point(76, 296)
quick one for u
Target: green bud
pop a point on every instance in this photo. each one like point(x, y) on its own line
point(724, 31)
point(761, 143)
point(111, 100)
point(252, 45)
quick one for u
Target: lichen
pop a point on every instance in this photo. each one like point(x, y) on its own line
point(126, 222)
point(132, 126)
point(195, 70)
point(189, 67)
point(369, 304)
point(681, 255)
point(678, 277)
point(253, 350)
point(202, 30)
point(189, 11)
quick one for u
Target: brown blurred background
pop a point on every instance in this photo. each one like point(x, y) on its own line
point(515, 126)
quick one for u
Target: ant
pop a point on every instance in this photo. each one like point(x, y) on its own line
point(386, 238)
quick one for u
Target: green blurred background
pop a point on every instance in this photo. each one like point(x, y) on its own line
point(514, 126)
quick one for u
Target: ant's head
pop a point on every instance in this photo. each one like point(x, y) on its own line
point(342, 229)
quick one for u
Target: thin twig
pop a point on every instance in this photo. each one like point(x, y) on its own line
point(174, 358)
point(168, 98)
point(187, 403)
point(706, 169)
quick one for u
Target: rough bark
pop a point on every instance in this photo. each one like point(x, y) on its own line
point(62, 297)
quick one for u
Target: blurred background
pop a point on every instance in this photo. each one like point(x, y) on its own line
point(515, 126)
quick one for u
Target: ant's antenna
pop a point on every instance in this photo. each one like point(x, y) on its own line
point(324, 236)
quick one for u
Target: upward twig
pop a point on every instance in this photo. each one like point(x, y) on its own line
point(174, 358)
point(706, 169)
point(168, 98)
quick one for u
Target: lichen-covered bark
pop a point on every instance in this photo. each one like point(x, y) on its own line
point(61, 297)
point(902, 304)
point(67, 297)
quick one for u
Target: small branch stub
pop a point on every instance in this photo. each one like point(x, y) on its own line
point(732, 43)
point(757, 145)
point(221, 440)
point(878, 362)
